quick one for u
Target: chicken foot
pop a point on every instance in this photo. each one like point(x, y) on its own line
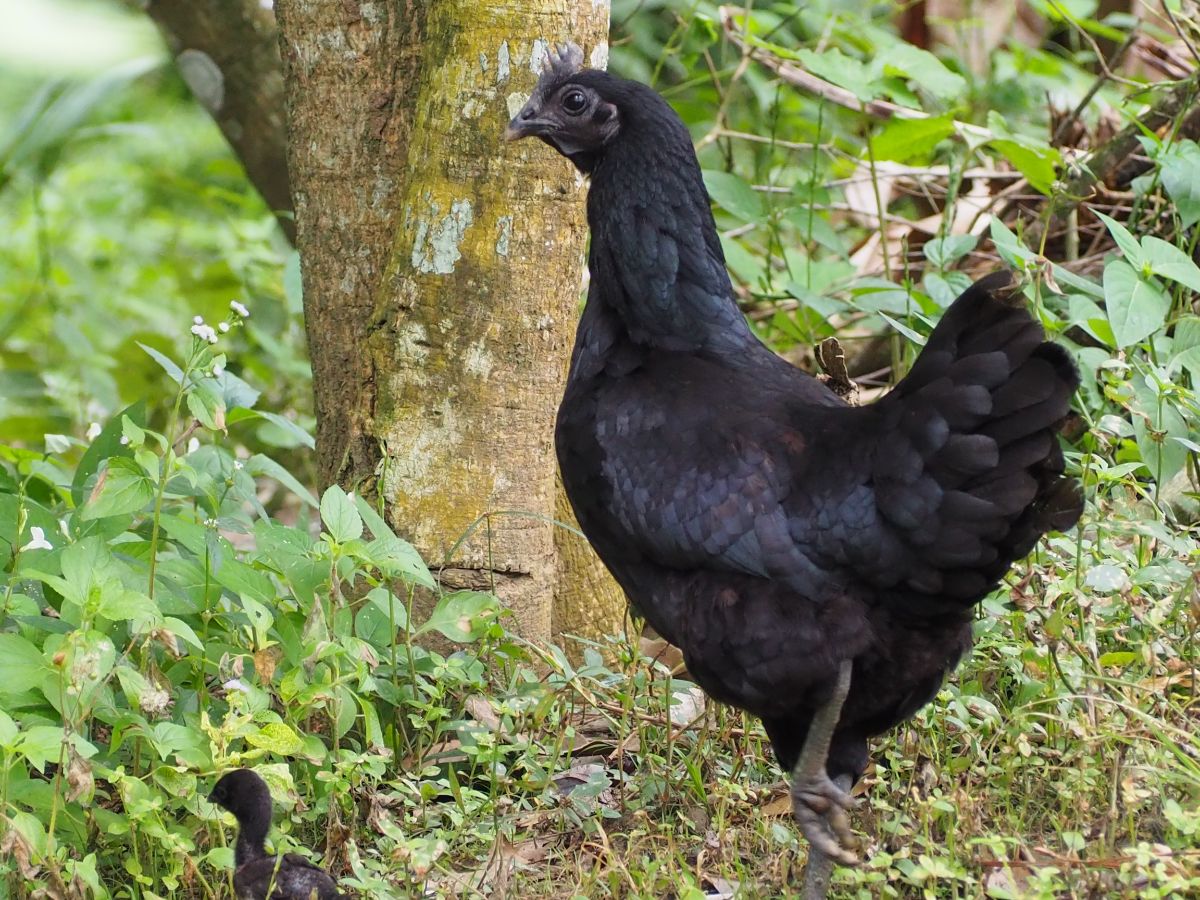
point(818, 803)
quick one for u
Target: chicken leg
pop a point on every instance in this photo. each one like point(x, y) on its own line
point(818, 803)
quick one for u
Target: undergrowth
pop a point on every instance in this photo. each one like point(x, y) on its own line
point(176, 601)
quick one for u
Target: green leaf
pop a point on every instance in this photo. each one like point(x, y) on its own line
point(380, 617)
point(123, 605)
point(107, 444)
point(42, 744)
point(1168, 261)
point(259, 464)
point(339, 515)
point(734, 195)
point(235, 392)
point(8, 731)
point(396, 556)
point(21, 666)
point(835, 66)
point(277, 738)
point(121, 489)
point(945, 251)
point(1008, 245)
point(1038, 167)
point(463, 616)
point(922, 67)
point(165, 361)
point(208, 408)
point(1180, 170)
point(913, 336)
point(287, 425)
point(1136, 306)
point(1127, 242)
point(905, 140)
point(1119, 658)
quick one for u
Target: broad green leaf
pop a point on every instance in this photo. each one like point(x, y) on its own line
point(235, 392)
point(206, 405)
point(8, 731)
point(1127, 242)
point(1187, 346)
point(734, 195)
point(463, 616)
point(905, 140)
point(339, 515)
point(1038, 166)
point(182, 629)
point(1137, 307)
point(277, 738)
point(1180, 169)
point(835, 66)
point(1008, 245)
point(42, 744)
point(390, 553)
point(380, 617)
point(1168, 261)
point(21, 666)
point(259, 464)
point(924, 69)
point(120, 604)
point(945, 251)
point(245, 580)
point(121, 489)
point(1154, 429)
point(259, 615)
point(107, 444)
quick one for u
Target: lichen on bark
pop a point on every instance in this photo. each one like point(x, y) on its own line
point(441, 273)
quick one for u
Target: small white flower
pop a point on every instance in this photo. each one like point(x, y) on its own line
point(124, 439)
point(235, 684)
point(224, 327)
point(218, 369)
point(205, 332)
point(193, 445)
point(197, 320)
point(239, 308)
point(64, 528)
point(93, 431)
point(39, 541)
point(238, 464)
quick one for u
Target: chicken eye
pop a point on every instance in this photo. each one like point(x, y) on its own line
point(574, 102)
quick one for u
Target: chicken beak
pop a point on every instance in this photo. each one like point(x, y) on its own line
point(515, 131)
point(527, 123)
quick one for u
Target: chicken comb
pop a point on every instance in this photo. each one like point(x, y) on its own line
point(562, 62)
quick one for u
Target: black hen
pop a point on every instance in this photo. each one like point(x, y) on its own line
point(257, 875)
point(791, 546)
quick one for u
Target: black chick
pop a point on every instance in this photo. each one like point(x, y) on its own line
point(816, 563)
point(257, 875)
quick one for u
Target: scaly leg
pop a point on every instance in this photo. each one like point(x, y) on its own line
point(818, 871)
point(819, 804)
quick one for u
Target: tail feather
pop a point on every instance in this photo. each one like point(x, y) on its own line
point(971, 466)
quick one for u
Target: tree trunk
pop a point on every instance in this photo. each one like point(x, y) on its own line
point(228, 53)
point(441, 273)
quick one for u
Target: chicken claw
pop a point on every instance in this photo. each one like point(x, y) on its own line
point(820, 807)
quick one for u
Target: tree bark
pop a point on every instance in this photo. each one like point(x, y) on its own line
point(441, 272)
point(228, 53)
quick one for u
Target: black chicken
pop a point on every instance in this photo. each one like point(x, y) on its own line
point(258, 875)
point(816, 563)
